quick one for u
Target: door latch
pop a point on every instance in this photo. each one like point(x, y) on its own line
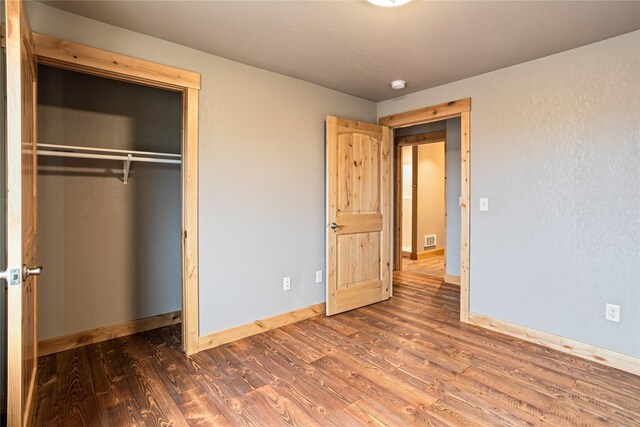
point(12, 276)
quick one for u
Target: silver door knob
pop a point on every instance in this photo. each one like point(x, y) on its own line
point(334, 226)
point(26, 271)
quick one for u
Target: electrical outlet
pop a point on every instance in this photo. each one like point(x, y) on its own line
point(286, 283)
point(319, 276)
point(613, 313)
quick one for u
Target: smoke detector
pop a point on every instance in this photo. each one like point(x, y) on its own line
point(389, 3)
point(398, 84)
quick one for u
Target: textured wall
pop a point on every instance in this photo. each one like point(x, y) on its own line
point(555, 146)
point(111, 251)
point(262, 184)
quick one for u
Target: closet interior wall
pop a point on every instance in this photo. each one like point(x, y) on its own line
point(112, 252)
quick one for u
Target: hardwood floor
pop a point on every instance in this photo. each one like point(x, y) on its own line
point(430, 266)
point(407, 361)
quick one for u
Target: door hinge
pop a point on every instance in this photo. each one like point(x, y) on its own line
point(185, 234)
point(12, 276)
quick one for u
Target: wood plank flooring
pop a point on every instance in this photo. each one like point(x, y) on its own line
point(407, 361)
point(430, 266)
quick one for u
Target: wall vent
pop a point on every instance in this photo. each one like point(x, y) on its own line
point(429, 240)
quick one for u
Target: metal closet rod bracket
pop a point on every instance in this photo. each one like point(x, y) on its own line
point(127, 167)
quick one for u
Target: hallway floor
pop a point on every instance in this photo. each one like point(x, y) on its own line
point(431, 266)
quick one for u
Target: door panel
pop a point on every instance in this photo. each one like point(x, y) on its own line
point(358, 167)
point(358, 193)
point(358, 260)
point(21, 213)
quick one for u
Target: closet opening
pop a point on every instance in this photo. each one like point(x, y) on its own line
point(109, 196)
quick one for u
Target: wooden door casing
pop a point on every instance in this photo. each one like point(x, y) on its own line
point(85, 59)
point(358, 201)
point(459, 108)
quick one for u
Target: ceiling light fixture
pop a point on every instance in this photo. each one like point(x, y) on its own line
point(398, 84)
point(389, 3)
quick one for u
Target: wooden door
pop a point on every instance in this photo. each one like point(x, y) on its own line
point(359, 214)
point(21, 214)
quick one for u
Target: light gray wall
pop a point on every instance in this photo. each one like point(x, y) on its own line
point(111, 251)
point(555, 146)
point(453, 190)
point(261, 172)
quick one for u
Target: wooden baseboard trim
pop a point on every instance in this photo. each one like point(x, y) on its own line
point(426, 254)
point(450, 278)
point(575, 348)
point(232, 334)
point(104, 333)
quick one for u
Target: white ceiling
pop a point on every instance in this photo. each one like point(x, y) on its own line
point(358, 48)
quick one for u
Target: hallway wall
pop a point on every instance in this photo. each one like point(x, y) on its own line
point(430, 218)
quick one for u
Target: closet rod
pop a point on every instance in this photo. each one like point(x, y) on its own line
point(126, 156)
point(106, 157)
point(68, 148)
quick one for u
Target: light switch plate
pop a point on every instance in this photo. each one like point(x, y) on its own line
point(319, 276)
point(484, 204)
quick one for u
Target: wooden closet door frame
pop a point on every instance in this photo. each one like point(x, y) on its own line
point(76, 57)
point(459, 108)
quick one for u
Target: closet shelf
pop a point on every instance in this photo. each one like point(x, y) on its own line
point(126, 156)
